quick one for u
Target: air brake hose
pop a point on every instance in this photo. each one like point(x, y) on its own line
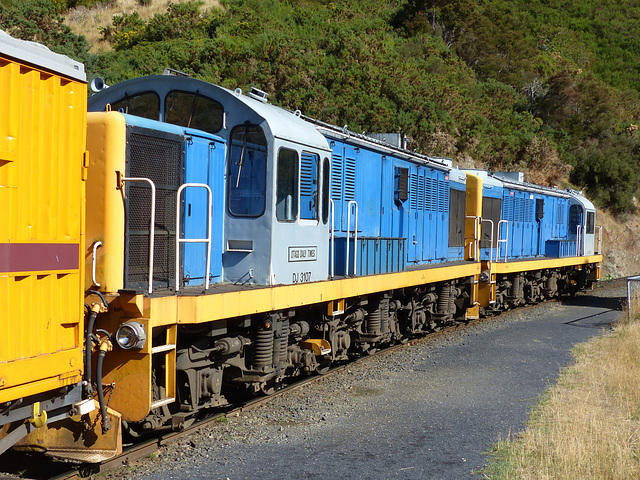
point(87, 346)
point(95, 309)
point(104, 346)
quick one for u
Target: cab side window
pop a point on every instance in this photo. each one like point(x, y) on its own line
point(575, 218)
point(591, 222)
point(287, 186)
point(247, 171)
point(192, 110)
point(326, 180)
point(145, 105)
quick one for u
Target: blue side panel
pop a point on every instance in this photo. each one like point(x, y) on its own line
point(373, 256)
point(414, 239)
point(560, 248)
point(516, 225)
point(204, 163)
point(442, 217)
point(343, 184)
point(399, 208)
point(546, 222)
point(386, 197)
point(428, 225)
point(428, 236)
point(368, 182)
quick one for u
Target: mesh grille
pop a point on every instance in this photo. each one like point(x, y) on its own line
point(155, 158)
point(160, 160)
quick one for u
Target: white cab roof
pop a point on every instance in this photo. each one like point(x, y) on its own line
point(39, 56)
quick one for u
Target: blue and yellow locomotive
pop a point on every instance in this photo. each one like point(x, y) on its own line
point(230, 244)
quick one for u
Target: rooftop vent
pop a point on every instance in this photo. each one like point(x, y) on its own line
point(398, 140)
point(258, 95)
point(171, 71)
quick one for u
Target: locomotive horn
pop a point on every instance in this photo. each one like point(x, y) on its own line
point(98, 84)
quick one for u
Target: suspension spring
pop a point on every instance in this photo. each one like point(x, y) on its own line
point(263, 348)
point(443, 299)
point(374, 320)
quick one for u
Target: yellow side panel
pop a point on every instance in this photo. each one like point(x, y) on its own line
point(42, 145)
point(473, 210)
point(203, 308)
point(106, 142)
point(538, 264)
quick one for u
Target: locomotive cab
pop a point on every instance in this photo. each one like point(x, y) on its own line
point(276, 220)
point(582, 221)
point(271, 195)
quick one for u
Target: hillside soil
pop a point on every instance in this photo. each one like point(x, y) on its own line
point(620, 245)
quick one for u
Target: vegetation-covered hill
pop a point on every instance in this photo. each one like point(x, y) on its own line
point(542, 86)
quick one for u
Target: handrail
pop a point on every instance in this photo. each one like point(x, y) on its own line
point(599, 250)
point(152, 223)
point(578, 239)
point(94, 280)
point(194, 240)
point(491, 247)
point(355, 237)
point(504, 240)
point(333, 235)
point(476, 237)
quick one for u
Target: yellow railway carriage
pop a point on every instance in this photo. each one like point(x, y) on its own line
point(42, 171)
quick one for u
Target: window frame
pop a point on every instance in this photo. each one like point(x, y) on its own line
point(294, 184)
point(315, 189)
point(326, 189)
point(457, 217)
point(196, 96)
point(128, 98)
point(231, 178)
point(591, 222)
point(575, 218)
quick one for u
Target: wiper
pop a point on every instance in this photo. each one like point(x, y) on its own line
point(242, 153)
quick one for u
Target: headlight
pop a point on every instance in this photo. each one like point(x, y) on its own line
point(131, 335)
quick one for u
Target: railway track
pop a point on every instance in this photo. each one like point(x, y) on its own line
point(151, 445)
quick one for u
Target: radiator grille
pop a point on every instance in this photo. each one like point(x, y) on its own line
point(158, 158)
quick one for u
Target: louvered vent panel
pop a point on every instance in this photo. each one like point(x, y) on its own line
point(307, 165)
point(413, 194)
point(443, 197)
point(349, 179)
point(508, 208)
point(336, 177)
point(421, 193)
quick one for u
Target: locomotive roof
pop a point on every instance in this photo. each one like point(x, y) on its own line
point(282, 123)
point(509, 179)
point(380, 145)
point(39, 56)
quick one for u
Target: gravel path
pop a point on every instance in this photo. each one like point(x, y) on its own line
point(428, 411)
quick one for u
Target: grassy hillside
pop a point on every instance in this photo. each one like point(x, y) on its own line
point(547, 87)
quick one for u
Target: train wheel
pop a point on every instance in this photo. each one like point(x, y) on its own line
point(268, 388)
point(323, 366)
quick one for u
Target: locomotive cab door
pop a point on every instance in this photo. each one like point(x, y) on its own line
point(300, 232)
point(589, 235)
point(204, 164)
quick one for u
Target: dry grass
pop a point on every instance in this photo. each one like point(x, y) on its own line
point(589, 425)
point(89, 21)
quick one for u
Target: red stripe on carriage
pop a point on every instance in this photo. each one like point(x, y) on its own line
point(36, 257)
